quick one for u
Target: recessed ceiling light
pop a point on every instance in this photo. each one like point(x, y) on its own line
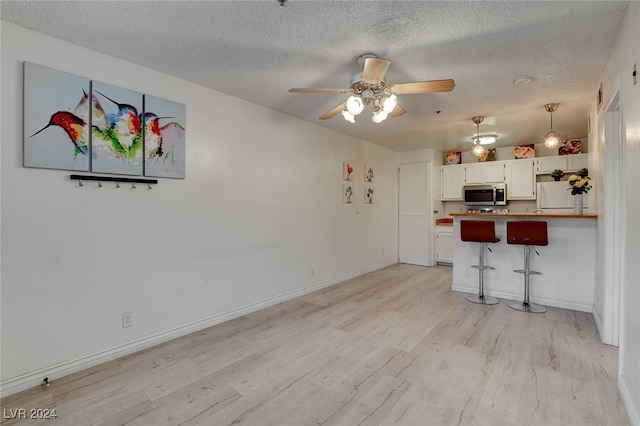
point(525, 79)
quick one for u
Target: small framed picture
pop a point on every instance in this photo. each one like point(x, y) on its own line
point(453, 157)
point(368, 173)
point(524, 151)
point(347, 193)
point(570, 147)
point(347, 171)
point(368, 194)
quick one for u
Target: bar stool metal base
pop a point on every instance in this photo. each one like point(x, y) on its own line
point(532, 308)
point(526, 306)
point(483, 300)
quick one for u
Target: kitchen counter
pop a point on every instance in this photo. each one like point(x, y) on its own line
point(567, 264)
point(444, 221)
point(530, 215)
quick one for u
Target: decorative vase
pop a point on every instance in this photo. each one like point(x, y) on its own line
point(577, 204)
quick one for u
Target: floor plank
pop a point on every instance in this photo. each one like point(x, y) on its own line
point(393, 347)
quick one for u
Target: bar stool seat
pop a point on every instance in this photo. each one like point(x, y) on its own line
point(483, 232)
point(528, 234)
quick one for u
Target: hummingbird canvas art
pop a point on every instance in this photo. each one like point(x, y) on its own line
point(116, 130)
point(72, 123)
point(56, 128)
point(164, 138)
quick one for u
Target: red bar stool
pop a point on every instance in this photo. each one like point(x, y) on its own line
point(528, 234)
point(483, 232)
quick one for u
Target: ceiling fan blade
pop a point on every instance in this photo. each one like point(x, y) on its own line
point(305, 90)
point(374, 70)
point(423, 87)
point(334, 111)
point(398, 111)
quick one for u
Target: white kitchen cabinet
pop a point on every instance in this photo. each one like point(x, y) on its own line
point(451, 181)
point(521, 179)
point(577, 162)
point(545, 165)
point(494, 172)
point(473, 173)
point(566, 163)
point(444, 244)
point(488, 172)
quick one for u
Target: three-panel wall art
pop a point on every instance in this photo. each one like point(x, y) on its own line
point(73, 123)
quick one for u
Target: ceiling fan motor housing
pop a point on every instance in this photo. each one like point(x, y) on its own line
point(368, 92)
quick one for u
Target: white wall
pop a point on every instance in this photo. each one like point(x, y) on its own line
point(261, 206)
point(617, 76)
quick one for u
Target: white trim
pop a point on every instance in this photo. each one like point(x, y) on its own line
point(598, 320)
point(564, 304)
point(613, 185)
point(34, 378)
point(632, 410)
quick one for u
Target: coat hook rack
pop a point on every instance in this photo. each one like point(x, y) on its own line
point(117, 180)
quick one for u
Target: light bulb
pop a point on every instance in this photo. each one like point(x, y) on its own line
point(355, 105)
point(552, 139)
point(348, 116)
point(477, 150)
point(379, 116)
point(389, 103)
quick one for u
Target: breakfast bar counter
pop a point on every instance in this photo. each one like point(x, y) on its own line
point(529, 215)
point(566, 264)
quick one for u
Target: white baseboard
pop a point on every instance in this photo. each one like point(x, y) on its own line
point(564, 304)
point(604, 336)
point(633, 412)
point(34, 378)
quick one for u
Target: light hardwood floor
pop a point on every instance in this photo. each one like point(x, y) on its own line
point(396, 346)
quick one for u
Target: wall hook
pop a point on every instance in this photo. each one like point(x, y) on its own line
point(80, 183)
point(133, 185)
point(149, 186)
point(99, 184)
point(117, 184)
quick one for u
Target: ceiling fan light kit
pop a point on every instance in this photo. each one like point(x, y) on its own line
point(354, 105)
point(552, 139)
point(480, 140)
point(485, 139)
point(478, 150)
point(369, 88)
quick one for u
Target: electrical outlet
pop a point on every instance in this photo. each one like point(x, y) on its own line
point(127, 319)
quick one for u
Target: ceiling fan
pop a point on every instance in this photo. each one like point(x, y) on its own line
point(370, 88)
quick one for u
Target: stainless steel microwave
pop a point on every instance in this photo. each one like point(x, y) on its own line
point(485, 195)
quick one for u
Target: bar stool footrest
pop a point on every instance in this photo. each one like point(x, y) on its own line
point(486, 268)
point(483, 300)
point(522, 271)
point(528, 307)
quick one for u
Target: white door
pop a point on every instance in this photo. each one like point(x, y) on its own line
point(415, 217)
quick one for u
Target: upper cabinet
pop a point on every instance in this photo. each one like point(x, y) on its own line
point(566, 163)
point(521, 179)
point(451, 182)
point(478, 173)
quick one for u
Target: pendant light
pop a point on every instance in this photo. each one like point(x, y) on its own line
point(477, 149)
point(552, 139)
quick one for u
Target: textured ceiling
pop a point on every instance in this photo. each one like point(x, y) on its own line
point(257, 50)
